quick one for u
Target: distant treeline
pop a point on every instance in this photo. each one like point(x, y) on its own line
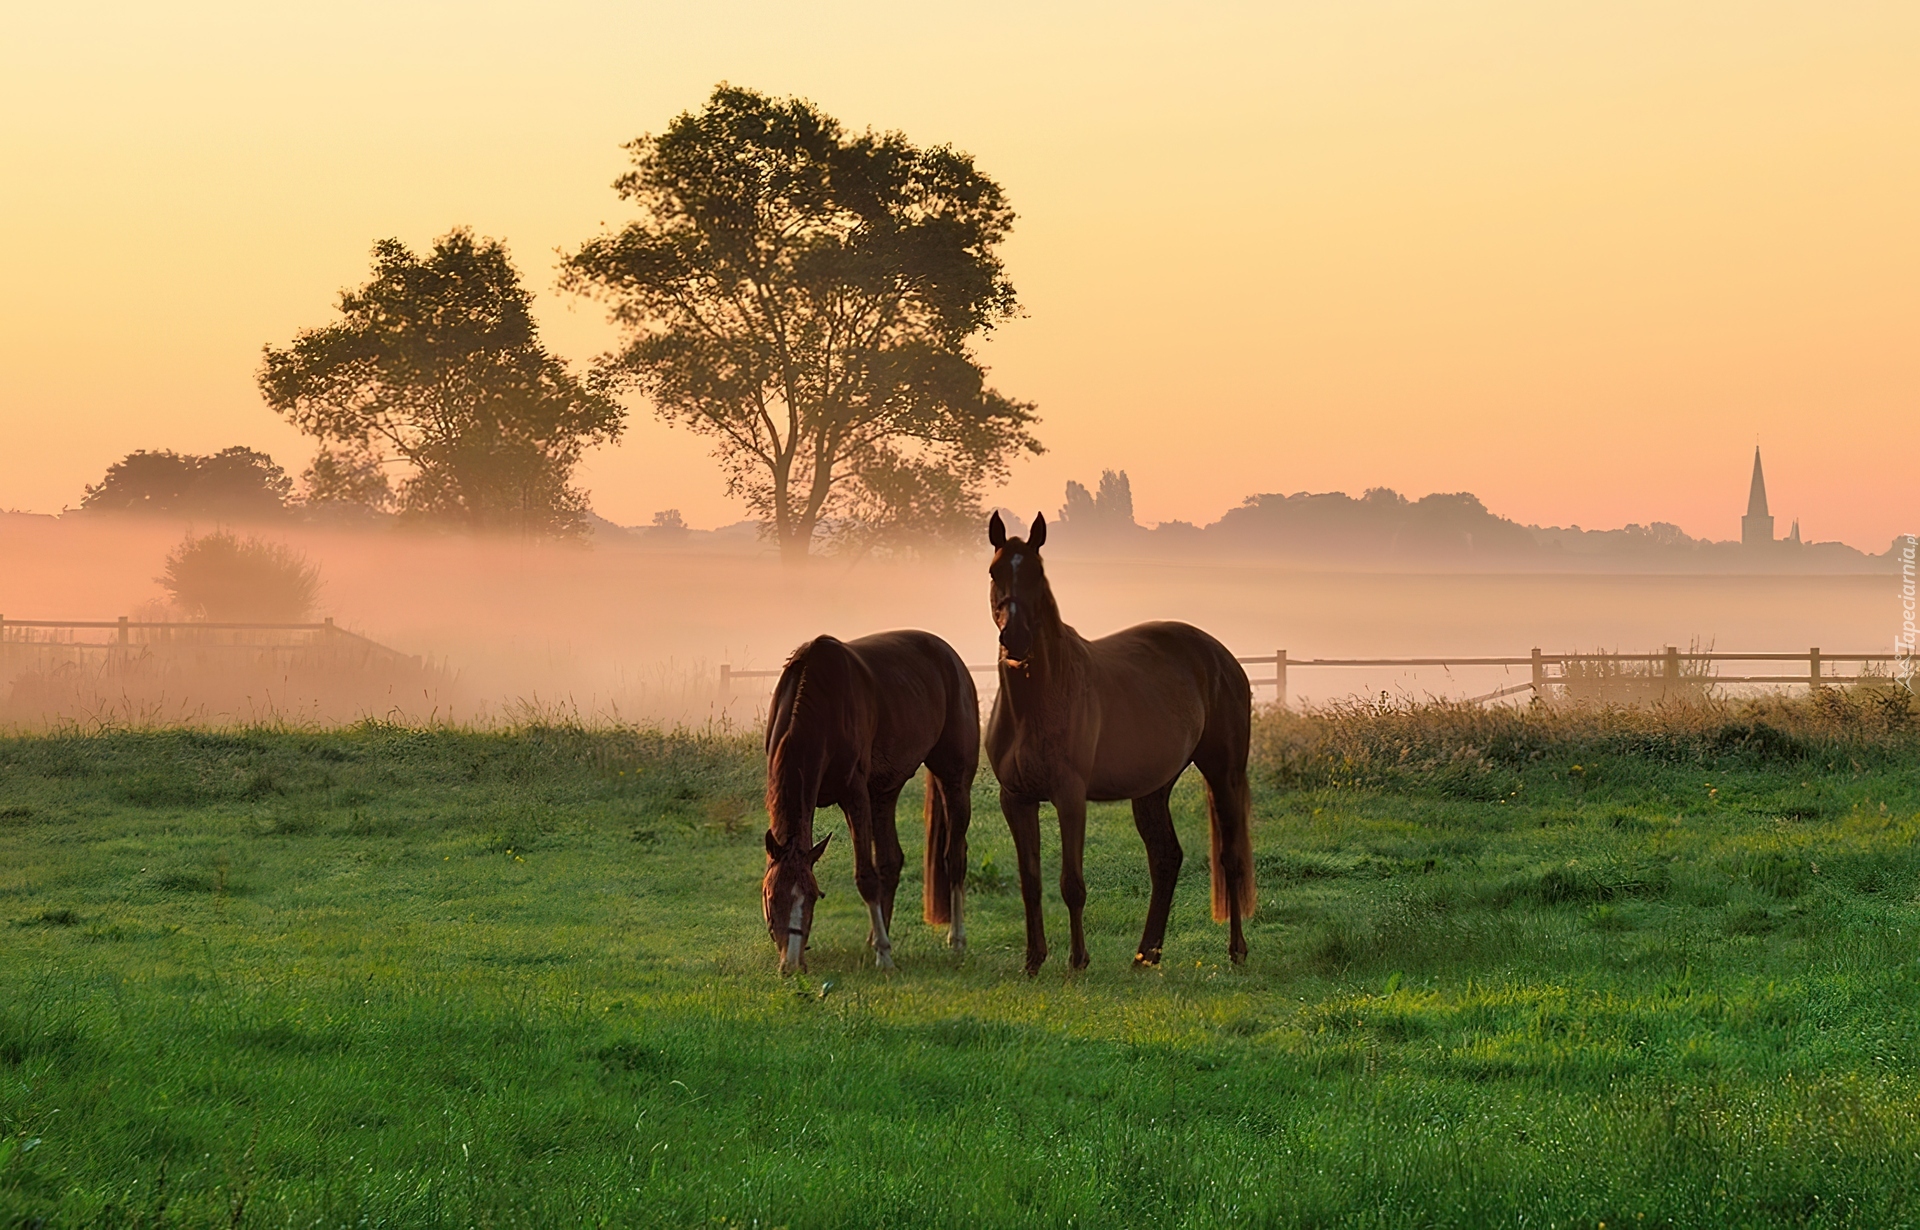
point(1383, 527)
point(1380, 528)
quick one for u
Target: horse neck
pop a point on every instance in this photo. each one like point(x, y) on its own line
point(1052, 664)
point(793, 783)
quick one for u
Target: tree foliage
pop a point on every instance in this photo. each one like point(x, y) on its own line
point(236, 483)
point(808, 298)
point(226, 578)
point(348, 476)
point(436, 363)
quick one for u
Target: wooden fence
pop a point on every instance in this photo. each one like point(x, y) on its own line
point(127, 637)
point(1660, 673)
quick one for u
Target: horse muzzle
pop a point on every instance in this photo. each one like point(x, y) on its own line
point(793, 956)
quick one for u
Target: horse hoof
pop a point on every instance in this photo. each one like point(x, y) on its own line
point(1239, 958)
point(1143, 960)
point(884, 960)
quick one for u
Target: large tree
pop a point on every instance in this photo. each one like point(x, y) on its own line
point(809, 298)
point(437, 364)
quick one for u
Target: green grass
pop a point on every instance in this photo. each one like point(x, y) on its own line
point(384, 976)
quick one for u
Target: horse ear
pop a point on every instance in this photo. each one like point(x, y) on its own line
point(821, 848)
point(997, 531)
point(773, 845)
point(1037, 536)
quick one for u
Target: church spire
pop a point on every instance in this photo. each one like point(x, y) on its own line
point(1756, 528)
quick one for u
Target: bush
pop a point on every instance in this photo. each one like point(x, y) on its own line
point(228, 579)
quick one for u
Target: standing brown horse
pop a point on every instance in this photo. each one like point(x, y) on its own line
point(1117, 718)
point(851, 723)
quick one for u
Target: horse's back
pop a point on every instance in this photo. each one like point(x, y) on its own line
point(1167, 660)
point(926, 698)
point(905, 648)
point(1163, 688)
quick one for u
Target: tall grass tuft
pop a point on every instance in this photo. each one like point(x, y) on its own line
point(1609, 681)
point(1474, 751)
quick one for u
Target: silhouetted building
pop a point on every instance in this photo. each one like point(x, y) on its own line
point(1756, 528)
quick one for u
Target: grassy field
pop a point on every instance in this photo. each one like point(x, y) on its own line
point(1631, 968)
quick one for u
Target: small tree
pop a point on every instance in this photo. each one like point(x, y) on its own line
point(1109, 509)
point(808, 298)
point(235, 482)
point(668, 526)
point(437, 363)
point(227, 579)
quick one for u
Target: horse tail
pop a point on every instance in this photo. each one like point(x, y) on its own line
point(937, 897)
point(1232, 848)
point(1229, 800)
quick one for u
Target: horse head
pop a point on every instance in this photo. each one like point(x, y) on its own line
point(1020, 594)
point(787, 895)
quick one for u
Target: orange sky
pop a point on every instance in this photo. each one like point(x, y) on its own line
point(1574, 258)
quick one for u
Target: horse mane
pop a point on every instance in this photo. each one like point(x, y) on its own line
point(795, 668)
point(792, 699)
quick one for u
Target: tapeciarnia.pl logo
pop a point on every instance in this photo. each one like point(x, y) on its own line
point(1903, 641)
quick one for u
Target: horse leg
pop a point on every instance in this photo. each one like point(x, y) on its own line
point(1154, 818)
point(866, 877)
point(1073, 879)
point(1023, 821)
point(887, 856)
point(957, 793)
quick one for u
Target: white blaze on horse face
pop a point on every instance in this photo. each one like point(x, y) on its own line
point(791, 961)
point(882, 943)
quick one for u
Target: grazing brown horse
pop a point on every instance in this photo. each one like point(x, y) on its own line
point(852, 721)
point(1117, 718)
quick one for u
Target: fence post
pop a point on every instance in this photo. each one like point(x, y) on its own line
point(1670, 686)
point(1539, 675)
point(726, 679)
point(123, 630)
point(1280, 677)
point(1813, 670)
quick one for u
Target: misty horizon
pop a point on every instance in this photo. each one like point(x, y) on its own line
point(1092, 515)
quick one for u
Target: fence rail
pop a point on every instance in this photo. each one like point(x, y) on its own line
point(185, 635)
point(1548, 670)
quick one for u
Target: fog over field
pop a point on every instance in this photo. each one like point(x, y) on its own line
point(613, 628)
